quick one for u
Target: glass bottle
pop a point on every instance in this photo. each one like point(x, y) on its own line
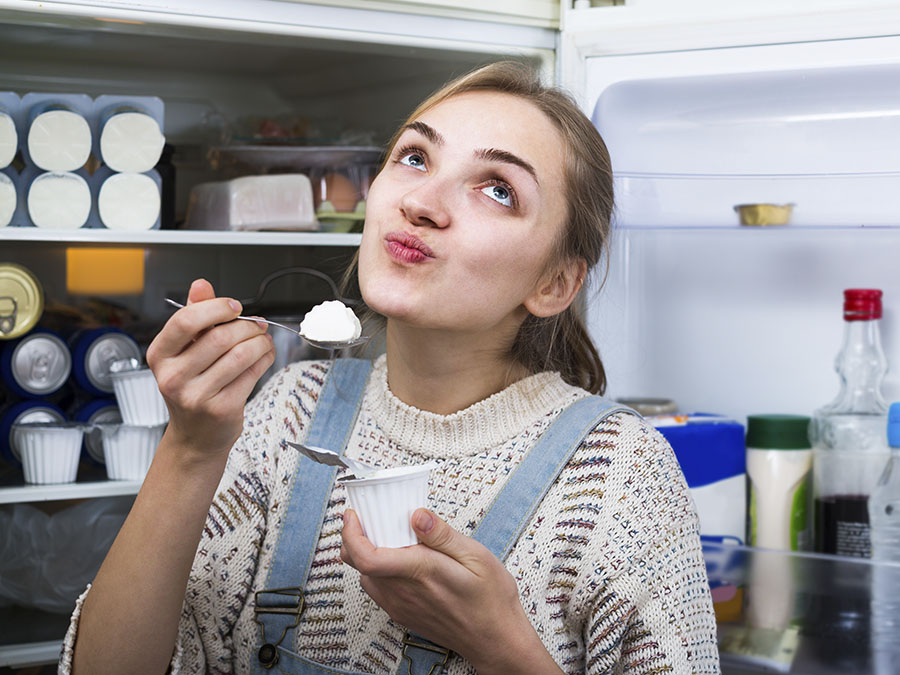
point(884, 519)
point(847, 435)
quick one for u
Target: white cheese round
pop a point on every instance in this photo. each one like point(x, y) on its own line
point(60, 201)
point(131, 142)
point(331, 321)
point(129, 201)
point(7, 200)
point(59, 140)
point(9, 140)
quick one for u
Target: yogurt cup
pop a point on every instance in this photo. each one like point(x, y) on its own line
point(128, 450)
point(385, 503)
point(49, 452)
point(137, 394)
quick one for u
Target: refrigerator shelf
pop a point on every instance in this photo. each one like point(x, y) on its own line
point(12, 494)
point(178, 237)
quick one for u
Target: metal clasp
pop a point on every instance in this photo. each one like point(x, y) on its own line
point(268, 654)
point(437, 664)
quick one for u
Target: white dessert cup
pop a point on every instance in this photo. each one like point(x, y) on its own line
point(138, 397)
point(385, 503)
point(128, 450)
point(49, 452)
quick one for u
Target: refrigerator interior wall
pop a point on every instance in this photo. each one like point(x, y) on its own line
point(734, 319)
point(218, 83)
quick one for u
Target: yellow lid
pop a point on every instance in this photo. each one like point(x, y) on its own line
point(21, 300)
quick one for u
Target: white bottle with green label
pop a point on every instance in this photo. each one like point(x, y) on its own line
point(779, 461)
point(779, 472)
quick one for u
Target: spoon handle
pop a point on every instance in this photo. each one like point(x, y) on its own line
point(245, 318)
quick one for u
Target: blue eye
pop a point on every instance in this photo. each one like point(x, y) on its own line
point(413, 159)
point(499, 194)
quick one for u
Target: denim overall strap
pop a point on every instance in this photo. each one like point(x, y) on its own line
point(516, 503)
point(279, 606)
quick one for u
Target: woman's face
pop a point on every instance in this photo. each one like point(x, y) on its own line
point(461, 222)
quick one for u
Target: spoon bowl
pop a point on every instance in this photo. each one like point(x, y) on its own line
point(321, 344)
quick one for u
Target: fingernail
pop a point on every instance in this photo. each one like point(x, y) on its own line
point(262, 324)
point(235, 305)
point(424, 521)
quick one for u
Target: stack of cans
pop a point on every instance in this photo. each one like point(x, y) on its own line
point(44, 375)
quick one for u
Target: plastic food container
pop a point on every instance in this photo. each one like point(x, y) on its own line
point(49, 452)
point(385, 502)
point(129, 450)
point(137, 394)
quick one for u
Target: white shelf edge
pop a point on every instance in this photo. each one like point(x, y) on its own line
point(205, 237)
point(46, 493)
point(30, 654)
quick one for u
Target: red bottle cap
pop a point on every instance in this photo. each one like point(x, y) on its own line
point(862, 304)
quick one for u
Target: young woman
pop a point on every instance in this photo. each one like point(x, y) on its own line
point(494, 202)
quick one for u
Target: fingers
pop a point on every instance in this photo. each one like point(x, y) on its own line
point(200, 290)
point(358, 552)
point(185, 325)
point(437, 535)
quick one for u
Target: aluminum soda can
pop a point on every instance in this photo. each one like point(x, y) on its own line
point(36, 365)
point(24, 412)
point(97, 411)
point(21, 301)
point(94, 351)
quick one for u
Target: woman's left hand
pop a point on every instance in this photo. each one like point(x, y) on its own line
point(451, 590)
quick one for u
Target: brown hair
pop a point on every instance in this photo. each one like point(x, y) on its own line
point(561, 342)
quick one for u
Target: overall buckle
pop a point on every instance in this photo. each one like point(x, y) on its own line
point(283, 601)
point(437, 662)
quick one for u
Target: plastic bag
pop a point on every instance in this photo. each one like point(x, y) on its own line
point(47, 560)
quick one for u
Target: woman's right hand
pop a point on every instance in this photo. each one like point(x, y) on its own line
point(206, 365)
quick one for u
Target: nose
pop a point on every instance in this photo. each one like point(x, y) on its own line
point(426, 204)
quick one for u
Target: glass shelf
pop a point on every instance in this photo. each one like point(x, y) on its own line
point(178, 237)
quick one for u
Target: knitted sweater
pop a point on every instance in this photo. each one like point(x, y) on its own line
point(609, 570)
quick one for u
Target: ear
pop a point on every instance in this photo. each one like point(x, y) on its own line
point(556, 291)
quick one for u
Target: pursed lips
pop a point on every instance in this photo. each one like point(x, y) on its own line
point(407, 247)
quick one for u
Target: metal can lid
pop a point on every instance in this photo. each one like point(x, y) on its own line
point(103, 352)
point(21, 300)
point(41, 363)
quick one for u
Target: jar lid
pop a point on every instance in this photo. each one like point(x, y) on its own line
point(862, 304)
point(778, 432)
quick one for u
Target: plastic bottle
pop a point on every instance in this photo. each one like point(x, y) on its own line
point(847, 435)
point(884, 519)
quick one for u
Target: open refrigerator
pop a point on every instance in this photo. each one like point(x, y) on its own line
point(704, 105)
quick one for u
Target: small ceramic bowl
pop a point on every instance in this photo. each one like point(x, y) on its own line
point(385, 503)
point(49, 452)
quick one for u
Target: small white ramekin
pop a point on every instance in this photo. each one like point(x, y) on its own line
point(128, 450)
point(385, 503)
point(138, 397)
point(49, 452)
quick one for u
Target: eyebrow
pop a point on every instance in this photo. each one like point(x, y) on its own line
point(489, 154)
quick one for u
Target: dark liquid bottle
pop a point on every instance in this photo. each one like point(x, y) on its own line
point(849, 453)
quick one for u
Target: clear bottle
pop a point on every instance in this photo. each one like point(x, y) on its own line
point(884, 519)
point(847, 435)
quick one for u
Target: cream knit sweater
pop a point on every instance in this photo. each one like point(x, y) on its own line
point(610, 570)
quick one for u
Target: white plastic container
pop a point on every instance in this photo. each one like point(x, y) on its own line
point(9, 133)
point(59, 134)
point(49, 452)
point(129, 202)
point(8, 199)
point(138, 397)
point(273, 202)
point(128, 450)
point(59, 201)
point(385, 503)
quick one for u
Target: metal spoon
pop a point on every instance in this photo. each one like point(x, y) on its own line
point(330, 457)
point(321, 344)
